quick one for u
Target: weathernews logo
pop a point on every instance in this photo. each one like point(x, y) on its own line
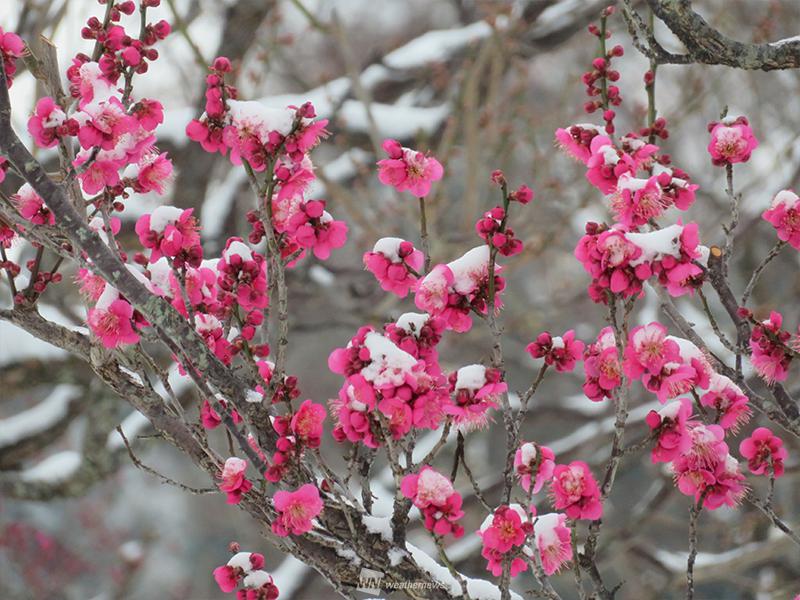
point(373, 583)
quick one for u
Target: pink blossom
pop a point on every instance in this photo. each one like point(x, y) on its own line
point(32, 207)
point(11, 48)
point(764, 451)
point(695, 470)
point(607, 164)
point(211, 419)
point(784, 215)
point(670, 426)
point(637, 201)
point(532, 461)
point(602, 369)
point(562, 351)
point(233, 482)
point(502, 532)
point(171, 232)
point(553, 541)
point(648, 350)
point(576, 140)
point(732, 141)
point(433, 494)
point(612, 261)
point(396, 265)
point(475, 390)
point(154, 171)
point(229, 575)
point(770, 356)
point(103, 124)
point(112, 323)
point(575, 491)
point(296, 510)
point(408, 170)
point(730, 402)
point(306, 423)
point(149, 113)
point(49, 123)
point(100, 173)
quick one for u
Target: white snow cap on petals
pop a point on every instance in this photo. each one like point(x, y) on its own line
point(389, 364)
point(471, 377)
point(240, 249)
point(469, 268)
point(163, 216)
point(413, 322)
point(241, 560)
point(260, 119)
point(257, 579)
point(657, 244)
point(389, 247)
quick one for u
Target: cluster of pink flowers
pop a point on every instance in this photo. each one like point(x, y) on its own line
point(405, 389)
point(433, 494)
point(492, 228)
point(770, 354)
point(697, 455)
point(453, 290)
point(171, 232)
point(475, 390)
point(667, 366)
point(11, 48)
point(504, 534)
point(764, 452)
point(396, 265)
point(784, 215)
point(602, 368)
point(297, 431)
point(233, 481)
point(296, 510)
point(732, 141)
point(620, 261)
point(408, 170)
point(576, 492)
point(560, 351)
point(707, 469)
point(534, 465)
point(246, 569)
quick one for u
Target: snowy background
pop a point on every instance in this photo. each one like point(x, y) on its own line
point(462, 79)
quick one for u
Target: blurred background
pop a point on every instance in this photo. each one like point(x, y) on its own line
point(482, 85)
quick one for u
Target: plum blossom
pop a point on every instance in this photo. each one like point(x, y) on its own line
point(732, 141)
point(560, 351)
point(112, 319)
point(576, 492)
point(396, 265)
point(502, 532)
point(49, 123)
point(764, 451)
point(533, 464)
point(730, 402)
point(296, 510)
point(232, 480)
point(770, 355)
point(11, 48)
point(172, 232)
point(670, 426)
point(433, 494)
point(576, 140)
point(602, 368)
point(475, 390)
point(230, 574)
point(784, 215)
point(552, 539)
point(32, 207)
point(408, 170)
point(306, 423)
